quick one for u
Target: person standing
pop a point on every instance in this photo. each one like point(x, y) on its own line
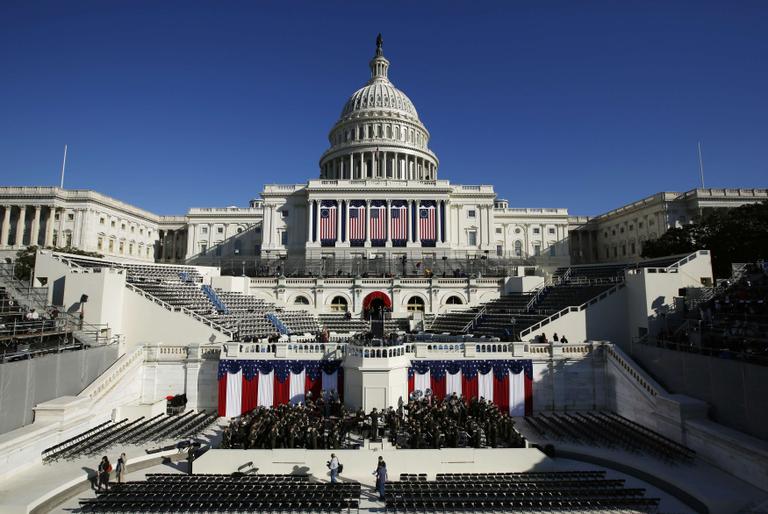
point(105, 468)
point(381, 477)
point(334, 465)
point(122, 462)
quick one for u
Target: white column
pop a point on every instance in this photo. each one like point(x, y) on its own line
point(266, 229)
point(367, 223)
point(6, 226)
point(310, 220)
point(418, 222)
point(338, 221)
point(447, 222)
point(35, 232)
point(20, 225)
point(439, 218)
point(49, 226)
point(76, 229)
point(191, 235)
point(61, 240)
point(389, 223)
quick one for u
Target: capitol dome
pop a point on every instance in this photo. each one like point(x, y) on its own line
point(379, 134)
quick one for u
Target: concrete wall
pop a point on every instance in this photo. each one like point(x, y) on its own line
point(734, 390)
point(145, 321)
point(25, 384)
point(564, 384)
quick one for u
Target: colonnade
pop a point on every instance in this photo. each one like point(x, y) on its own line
point(25, 222)
point(412, 230)
point(171, 242)
point(382, 164)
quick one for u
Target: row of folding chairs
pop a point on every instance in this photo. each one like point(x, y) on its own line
point(517, 495)
point(523, 487)
point(217, 477)
point(181, 506)
point(525, 476)
point(245, 490)
point(592, 505)
point(48, 453)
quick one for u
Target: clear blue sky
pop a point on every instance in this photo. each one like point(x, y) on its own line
point(584, 105)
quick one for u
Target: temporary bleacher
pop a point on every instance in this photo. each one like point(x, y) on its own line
point(139, 431)
point(507, 316)
point(571, 491)
point(248, 317)
point(227, 493)
point(606, 429)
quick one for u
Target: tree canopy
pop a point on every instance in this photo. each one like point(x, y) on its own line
point(731, 235)
point(25, 259)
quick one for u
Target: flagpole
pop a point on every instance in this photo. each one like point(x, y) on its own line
point(701, 164)
point(63, 166)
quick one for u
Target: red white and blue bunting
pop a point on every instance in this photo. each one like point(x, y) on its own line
point(247, 384)
point(507, 383)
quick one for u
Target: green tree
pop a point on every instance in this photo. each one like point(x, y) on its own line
point(25, 259)
point(731, 236)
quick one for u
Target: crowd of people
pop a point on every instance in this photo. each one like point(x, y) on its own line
point(542, 338)
point(324, 423)
point(315, 424)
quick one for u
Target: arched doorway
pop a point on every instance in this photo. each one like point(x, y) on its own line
point(376, 303)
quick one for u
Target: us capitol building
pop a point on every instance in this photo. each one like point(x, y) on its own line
point(378, 196)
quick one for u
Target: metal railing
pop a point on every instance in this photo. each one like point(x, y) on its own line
point(473, 322)
point(571, 308)
point(174, 308)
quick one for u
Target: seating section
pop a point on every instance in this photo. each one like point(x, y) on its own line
point(607, 429)
point(508, 492)
point(339, 323)
point(139, 431)
point(23, 338)
point(227, 493)
point(181, 286)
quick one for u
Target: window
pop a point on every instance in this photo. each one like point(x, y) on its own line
point(552, 250)
point(621, 230)
point(536, 231)
point(499, 250)
point(632, 247)
point(284, 237)
point(613, 232)
point(552, 231)
point(70, 216)
point(148, 250)
point(301, 300)
point(536, 250)
point(205, 230)
point(112, 223)
point(454, 300)
point(101, 221)
point(517, 231)
point(133, 229)
point(472, 238)
point(284, 213)
point(141, 231)
point(239, 230)
point(651, 222)
point(111, 245)
point(122, 226)
point(122, 247)
point(498, 230)
point(415, 304)
point(639, 224)
point(220, 230)
point(56, 216)
point(203, 248)
point(471, 213)
point(130, 248)
point(631, 228)
point(100, 243)
point(339, 304)
point(518, 249)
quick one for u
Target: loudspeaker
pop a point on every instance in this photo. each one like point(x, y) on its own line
point(83, 298)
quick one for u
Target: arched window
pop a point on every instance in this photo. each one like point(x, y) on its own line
point(415, 304)
point(389, 132)
point(453, 300)
point(339, 304)
point(301, 300)
point(518, 248)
